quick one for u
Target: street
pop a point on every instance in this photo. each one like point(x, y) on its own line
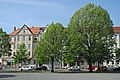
point(59, 76)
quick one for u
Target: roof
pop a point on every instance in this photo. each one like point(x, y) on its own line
point(116, 29)
point(15, 32)
point(33, 30)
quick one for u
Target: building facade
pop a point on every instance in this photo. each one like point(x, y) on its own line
point(117, 39)
point(31, 35)
point(27, 35)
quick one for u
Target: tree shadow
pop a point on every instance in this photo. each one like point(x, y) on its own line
point(7, 76)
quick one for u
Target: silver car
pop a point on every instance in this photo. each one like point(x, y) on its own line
point(74, 68)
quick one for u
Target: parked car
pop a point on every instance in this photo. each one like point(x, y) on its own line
point(116, 69)
point(74, 68)
point(43, 67)
point(28, 67)
point(110, 68)
point(94, 68)
point(102, 68)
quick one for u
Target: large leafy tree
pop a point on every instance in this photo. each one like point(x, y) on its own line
point(90, 34)
point(51, 45)
point(21, 56)
point(5, 48)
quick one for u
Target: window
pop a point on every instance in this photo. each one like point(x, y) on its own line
point(115, 37)
point(119, 40)
point(82, 62)
point(28, 46)
point(23, 38)
point(23, 31)
point(14, 38)
point(40, 37)
point(18, 46)
point(14, 46)
point(34, 61)
point(13, 53)
point(17, 38)
point(28, 53)
point(10, 39)
point(42, 30)
point(35, 38)
point(29, 38)
point(34, 46)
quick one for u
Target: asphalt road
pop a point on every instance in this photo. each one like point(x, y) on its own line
point(59, 76)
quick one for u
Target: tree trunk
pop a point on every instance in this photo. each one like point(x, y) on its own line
point(52, 59)
point(98, 65)
point(90, 67)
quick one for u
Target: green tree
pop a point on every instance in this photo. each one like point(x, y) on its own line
point(117, 55)
point(41, 53)
point(90, 34)
point(21, 56)
point(51, 44)
point(5, 48)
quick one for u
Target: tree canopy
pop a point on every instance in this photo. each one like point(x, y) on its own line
point(117, 56)
point(5, 48)
point(90, 34)
point(51, 44)
point(21, 56)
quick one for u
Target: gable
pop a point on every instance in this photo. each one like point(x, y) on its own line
point(24, 30)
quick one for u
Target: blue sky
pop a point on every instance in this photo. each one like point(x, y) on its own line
point(43, 12)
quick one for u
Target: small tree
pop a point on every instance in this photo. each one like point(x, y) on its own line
point(21, 56)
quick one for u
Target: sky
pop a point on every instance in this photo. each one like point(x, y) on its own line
point(43, 12)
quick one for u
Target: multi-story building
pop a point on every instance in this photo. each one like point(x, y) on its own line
point(117, 39)
point(31, 35)
point(27, 35)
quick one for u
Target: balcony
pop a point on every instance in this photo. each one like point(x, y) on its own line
point(35, 41)
point(12, 42)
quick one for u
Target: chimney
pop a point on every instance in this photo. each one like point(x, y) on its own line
point(14, 28)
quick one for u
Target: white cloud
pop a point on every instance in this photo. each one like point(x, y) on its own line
point(37, 3)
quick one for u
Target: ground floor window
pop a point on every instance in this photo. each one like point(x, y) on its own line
point(34, 61)
point(10, 63)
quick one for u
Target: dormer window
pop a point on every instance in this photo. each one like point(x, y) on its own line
point(42, 30)
point(36, 38)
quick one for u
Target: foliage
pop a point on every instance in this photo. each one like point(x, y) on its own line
point(90, 34)
point(41, 53)
point(51, 44)
point(5, 48)
point(117, 52)
point(21, 56)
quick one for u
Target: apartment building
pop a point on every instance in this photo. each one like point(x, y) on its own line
point(117, 38)
point(27, 35)
point(31, 35)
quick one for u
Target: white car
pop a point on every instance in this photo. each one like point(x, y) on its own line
point(27, 67)
point(74, 68)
